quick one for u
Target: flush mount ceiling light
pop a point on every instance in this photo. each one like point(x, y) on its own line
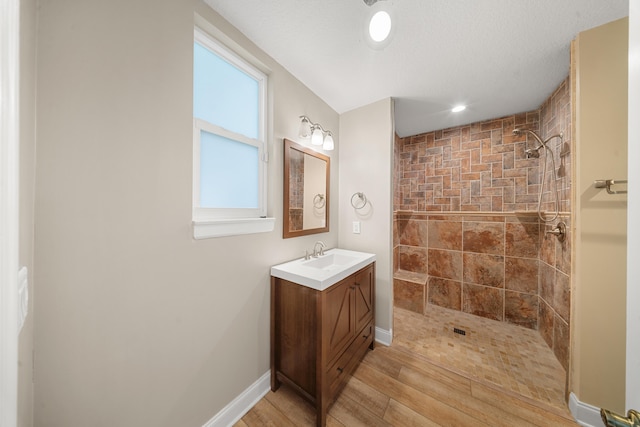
point(458, 108)
point(319, 136)
point(379, 23)
point(380, 26)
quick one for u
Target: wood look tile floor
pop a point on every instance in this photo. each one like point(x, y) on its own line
point(416, 383)
point(509, 356)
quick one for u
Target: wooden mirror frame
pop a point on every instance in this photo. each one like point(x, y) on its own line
point(287, 232)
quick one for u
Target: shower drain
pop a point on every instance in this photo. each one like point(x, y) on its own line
point(459, 331)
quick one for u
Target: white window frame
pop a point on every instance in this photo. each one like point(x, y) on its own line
point(211, 222)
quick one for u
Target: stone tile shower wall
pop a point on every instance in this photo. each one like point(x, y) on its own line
point(555, 118)
point(478, 167)
point(485, 265)
point(555, 256)
point(466, 233)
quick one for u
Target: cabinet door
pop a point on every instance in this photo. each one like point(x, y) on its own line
point(338, 319)
point(364, 296)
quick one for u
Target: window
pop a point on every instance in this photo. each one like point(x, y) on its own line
point(229, 152)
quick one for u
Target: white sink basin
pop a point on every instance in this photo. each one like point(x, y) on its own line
point(330, 261)
point(324, 271)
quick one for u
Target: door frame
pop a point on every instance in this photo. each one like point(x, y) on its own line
point(9, 211)
point(633, 213)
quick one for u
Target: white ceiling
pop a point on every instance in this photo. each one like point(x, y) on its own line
point(499, 57)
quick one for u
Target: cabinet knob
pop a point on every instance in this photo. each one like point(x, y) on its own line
point(340, 370)
point(357, 283)
point(352, 287)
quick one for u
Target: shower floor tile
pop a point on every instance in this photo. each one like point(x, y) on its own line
point(503, 354)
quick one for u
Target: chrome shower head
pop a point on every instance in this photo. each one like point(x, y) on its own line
point(533, 153)
point(530, 153)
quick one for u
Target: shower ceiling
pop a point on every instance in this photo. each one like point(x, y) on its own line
point(498, 57)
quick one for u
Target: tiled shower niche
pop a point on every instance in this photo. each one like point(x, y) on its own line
point(467, 236)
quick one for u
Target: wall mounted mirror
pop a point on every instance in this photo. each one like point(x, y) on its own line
point(306, 191)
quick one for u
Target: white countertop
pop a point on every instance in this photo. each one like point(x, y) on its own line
point(321, 272)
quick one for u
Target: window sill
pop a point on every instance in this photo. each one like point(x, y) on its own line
point(204, 229)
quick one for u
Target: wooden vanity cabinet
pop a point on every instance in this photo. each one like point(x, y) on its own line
point(318, 338)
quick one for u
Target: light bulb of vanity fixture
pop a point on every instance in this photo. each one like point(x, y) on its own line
point(316, 136)
point(328, 142)
point(305, 127)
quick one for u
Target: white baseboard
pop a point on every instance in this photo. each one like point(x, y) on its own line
point(235, 410)
point(384, 336)
point(586, 415)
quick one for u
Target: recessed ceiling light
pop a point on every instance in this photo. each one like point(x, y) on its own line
point(458, 108)
point(380, 26)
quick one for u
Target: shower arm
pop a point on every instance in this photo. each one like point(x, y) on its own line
point(540, 141)
point(558, 135)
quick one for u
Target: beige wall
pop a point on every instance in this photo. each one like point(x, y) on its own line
point(366, 166)
point(27, 188)
point(598, 368)
point(137, 323)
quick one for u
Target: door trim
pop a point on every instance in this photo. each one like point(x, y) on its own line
point(9, 201)
point(633, 213)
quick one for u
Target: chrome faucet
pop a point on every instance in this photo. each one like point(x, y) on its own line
point(317, 253)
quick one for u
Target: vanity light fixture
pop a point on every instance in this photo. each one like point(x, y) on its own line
point(458, 108)
point(316, 136)
point(319, 136)
point(328, 142)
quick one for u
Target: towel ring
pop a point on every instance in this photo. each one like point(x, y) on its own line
point(318, 201)
point(360, 202)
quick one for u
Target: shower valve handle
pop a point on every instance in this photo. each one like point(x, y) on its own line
point(560, 231)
